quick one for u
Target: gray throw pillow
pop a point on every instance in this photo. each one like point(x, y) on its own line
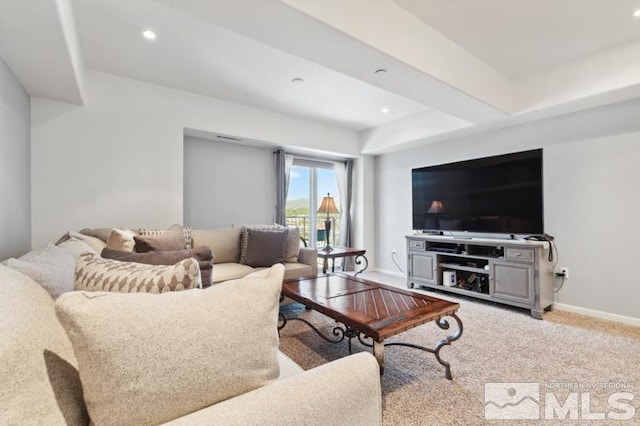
point(265, 248)
point(52, 268)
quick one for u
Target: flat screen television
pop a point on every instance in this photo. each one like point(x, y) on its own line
point(500, 194)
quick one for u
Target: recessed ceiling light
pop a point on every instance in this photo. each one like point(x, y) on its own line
point(636, 14)
point(149, 35)
point(380, 71)
point(297, 80)
point(384, 110)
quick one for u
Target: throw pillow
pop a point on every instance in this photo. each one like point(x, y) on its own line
point(171, 240)
point(265, 248)
point(202, 254)
point(52, 268)
point(185, 230)
point(99, 233)
point(94, 273)
point(181, 352)
point(293, 244)
point(121, 239)
point(244, 235)
point(76, 246)
point(95, 243)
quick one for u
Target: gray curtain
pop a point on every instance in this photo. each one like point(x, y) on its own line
point(284, 162)
point(344, 173)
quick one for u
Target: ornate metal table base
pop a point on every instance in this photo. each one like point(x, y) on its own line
point(342, 331)
point(358, 261)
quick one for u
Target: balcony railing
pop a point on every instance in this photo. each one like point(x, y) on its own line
point(303, 222)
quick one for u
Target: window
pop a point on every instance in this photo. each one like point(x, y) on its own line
point(309, 181)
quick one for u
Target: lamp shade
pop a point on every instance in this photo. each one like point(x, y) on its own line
point(328, 205)
point(436, 207)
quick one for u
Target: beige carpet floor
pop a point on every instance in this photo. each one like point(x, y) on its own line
point(499, 345)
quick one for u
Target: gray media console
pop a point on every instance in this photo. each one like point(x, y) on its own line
point(512, 272)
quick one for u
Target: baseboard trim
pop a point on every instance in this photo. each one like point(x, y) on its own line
point(390, 272)
point(597, 314)
point(559, 306)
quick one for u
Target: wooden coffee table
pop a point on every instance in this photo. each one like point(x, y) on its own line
point(371, 312)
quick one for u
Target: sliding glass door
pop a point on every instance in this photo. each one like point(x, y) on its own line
point(309, 182)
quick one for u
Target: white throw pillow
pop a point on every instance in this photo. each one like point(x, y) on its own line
point(150, 358)
point(121, 239)
point(93, 273)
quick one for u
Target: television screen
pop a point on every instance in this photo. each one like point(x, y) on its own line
point(501, 194)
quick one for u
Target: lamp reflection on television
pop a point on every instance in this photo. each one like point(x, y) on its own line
point(436, 208)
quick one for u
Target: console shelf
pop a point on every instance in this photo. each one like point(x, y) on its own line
point(463, 268)
point(512, 272)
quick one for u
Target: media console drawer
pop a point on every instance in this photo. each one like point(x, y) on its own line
point(416, 245)
point(519, 254)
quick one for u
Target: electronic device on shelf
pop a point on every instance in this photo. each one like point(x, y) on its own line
point(540, 237)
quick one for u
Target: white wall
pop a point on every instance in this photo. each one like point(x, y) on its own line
point(590, 161)
point(15, 186)
point(227, 183)
point(118, 160)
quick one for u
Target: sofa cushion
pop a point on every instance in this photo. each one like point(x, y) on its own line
point(121, 239)
point(293, 244)
point(52, 268)
point(181, 351)
point(297, 270)
point(225, 242)
point(95, 243)
point(76, 246)
point(202, 254)
point(287, 367)
point(264, 248)
point(99, 233)
point(170, 240)
point(94, 273)
point(229, 271)
point(186, 232)
point(39, 380)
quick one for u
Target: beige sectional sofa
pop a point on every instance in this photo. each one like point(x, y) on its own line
point(226, 243)
point(42, 374)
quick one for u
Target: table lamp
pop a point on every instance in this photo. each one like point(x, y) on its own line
point(327, 206)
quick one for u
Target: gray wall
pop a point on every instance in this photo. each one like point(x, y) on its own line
point(591, 197)
point(226, 183)
point(15, 169)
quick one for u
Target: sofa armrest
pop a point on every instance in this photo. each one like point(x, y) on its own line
point(345, 391)
point(309, 256)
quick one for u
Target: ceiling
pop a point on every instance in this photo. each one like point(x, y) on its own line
point(450, 65)
point(518, 37)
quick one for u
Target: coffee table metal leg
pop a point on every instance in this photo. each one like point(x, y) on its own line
point(358, 260)
point(378, 352)
point(443, 324)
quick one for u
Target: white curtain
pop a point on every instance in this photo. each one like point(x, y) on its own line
point(344, 174)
